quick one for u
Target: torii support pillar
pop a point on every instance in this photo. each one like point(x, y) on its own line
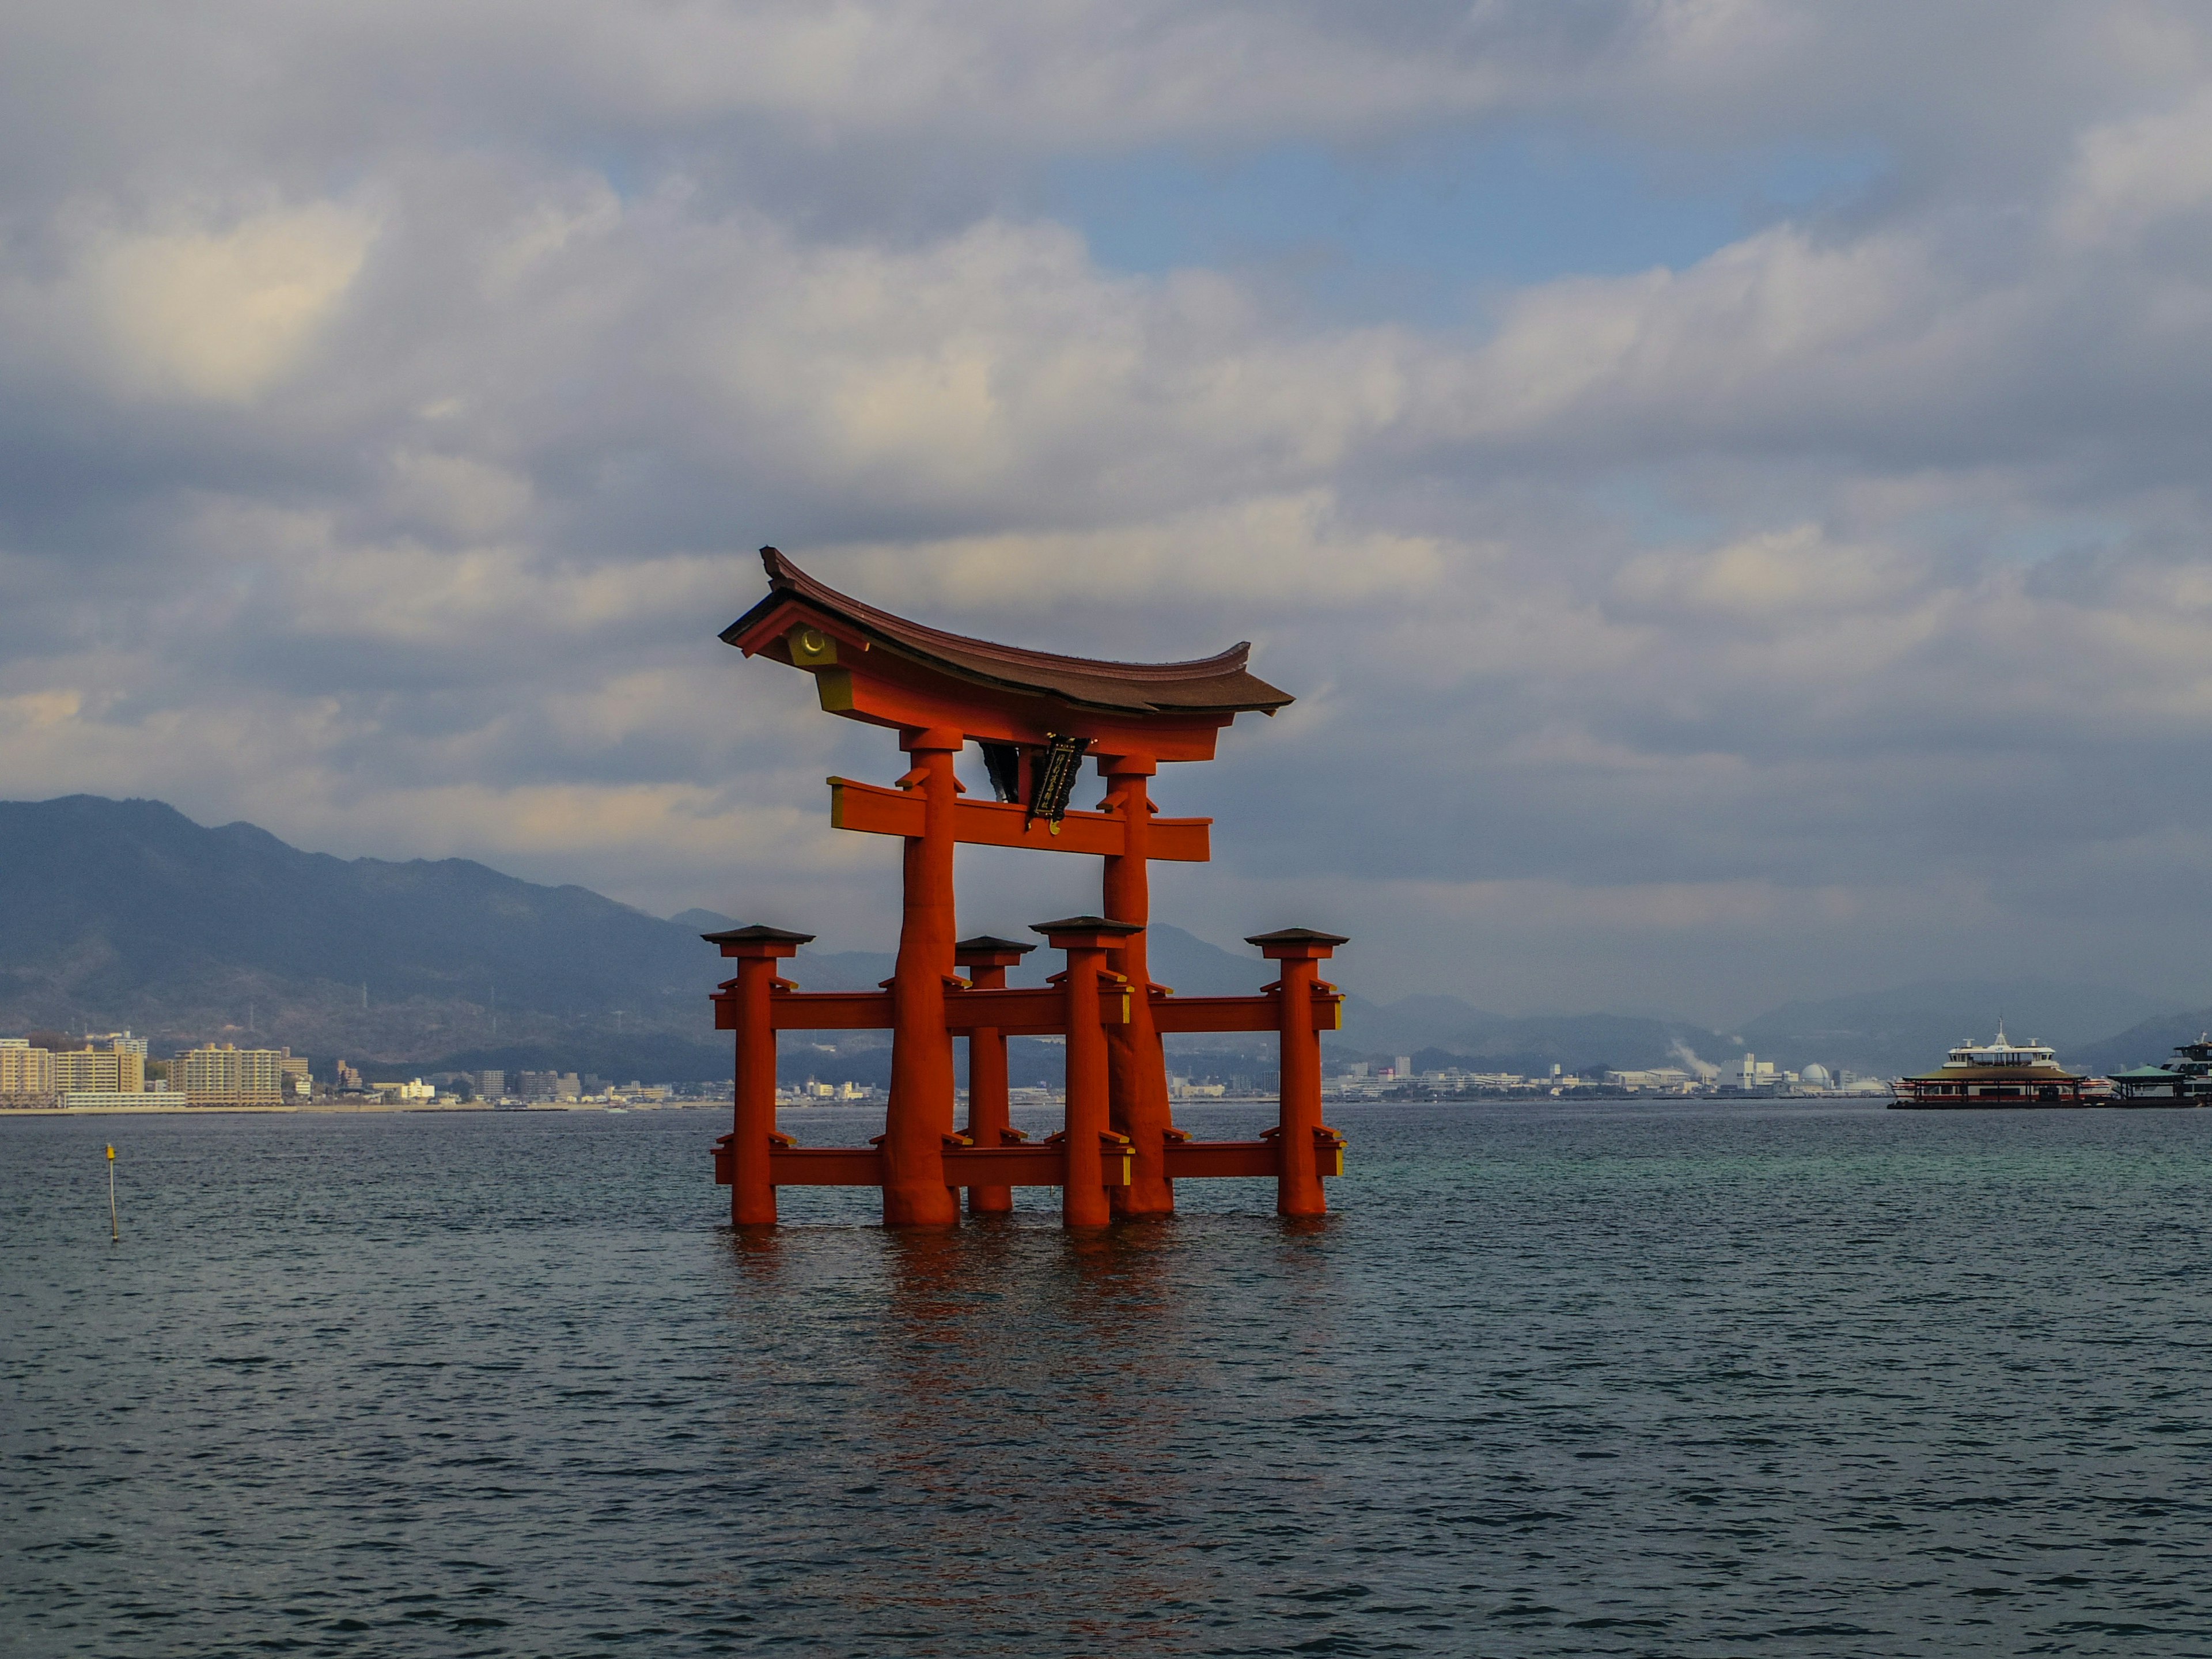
point(1299, 1131)
point(919, 1120)
point(1086, 939)
point(1135, 1058)
point(752, 1130)
point(990, 1118)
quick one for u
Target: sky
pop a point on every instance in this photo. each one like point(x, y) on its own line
point(1725, 479)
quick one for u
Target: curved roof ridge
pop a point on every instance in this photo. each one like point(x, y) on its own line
point(1222, 683)
point(784, 574)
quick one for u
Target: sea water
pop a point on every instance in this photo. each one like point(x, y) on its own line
point(1593, 1378)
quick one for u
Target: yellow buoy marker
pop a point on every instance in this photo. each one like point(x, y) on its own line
point(114, 1227)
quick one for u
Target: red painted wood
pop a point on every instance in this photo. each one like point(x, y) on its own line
point(920, 1115)
point(873, 810)
point(990, 1120)
point(1029, 1011)
point(1040, 1165)
point(1137, 1065)
point(1261, 1013)
point(1083, 1199)
point(1297, 1181)
point(1192, 1159)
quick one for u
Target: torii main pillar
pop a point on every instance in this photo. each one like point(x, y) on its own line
point(1135, 1055)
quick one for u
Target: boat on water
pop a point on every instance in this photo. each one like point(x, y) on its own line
point(2184, 1080)
point(2003, 1072)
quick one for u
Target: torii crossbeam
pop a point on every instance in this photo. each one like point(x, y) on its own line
point(1036, 715)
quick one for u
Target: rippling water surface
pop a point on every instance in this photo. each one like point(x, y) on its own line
point(1632, 1379)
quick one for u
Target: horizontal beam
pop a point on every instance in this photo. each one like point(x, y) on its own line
point(1172, 1013)
point(816, 1011)
point(1042, 1165)
point(876, 811)
point(1029, 1011)
point(1192, 1159)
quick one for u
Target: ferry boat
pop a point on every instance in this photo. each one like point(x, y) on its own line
point(2184, 1080)
point(2003, 1072)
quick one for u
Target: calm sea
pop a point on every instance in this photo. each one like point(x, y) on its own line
point(1596, 1379)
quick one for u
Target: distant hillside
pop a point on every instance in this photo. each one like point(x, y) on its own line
point(1414, 1023)
point(128, 914)
point(1910, 1028)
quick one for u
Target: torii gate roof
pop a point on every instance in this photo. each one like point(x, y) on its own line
point(1220, 684)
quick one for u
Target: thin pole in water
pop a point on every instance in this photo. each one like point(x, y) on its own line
point(114, 1226)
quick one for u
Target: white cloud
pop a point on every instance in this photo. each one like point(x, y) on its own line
point(1794, 576)
point(2129, 176)
point(220, 314)
point(1265, 554)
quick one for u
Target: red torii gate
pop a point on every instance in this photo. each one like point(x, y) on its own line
point(1036, 715)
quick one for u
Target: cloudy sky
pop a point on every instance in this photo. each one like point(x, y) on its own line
point(1726, 478)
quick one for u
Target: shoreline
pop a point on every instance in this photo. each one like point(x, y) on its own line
point(311, 1111)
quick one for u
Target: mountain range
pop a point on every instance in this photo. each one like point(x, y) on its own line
point(126, 914)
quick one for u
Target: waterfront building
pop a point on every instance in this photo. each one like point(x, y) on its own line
point(412, 1092)
point(1998, 1073)
point(491, 1086)
point(549, 1085)
point(1657, 1077)
point(112, 1071)
point(1181, 1088)
point(126, 1100)
point(27, 1074)
point(230, 1075)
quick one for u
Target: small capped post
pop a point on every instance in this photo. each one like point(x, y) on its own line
point(990, 1115)
point(757, 949)
point(1298, 1126)
point(1086, 939)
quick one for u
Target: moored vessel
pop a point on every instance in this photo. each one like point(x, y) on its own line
point(2184, 1080)
point(1999, 1073)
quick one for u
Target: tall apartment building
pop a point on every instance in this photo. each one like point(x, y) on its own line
point(491, 1086)
point(105, 1071)
point(230, 1075)
point(25, 1070)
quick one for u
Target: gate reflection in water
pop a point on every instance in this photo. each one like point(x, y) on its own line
point(1020, 1412)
